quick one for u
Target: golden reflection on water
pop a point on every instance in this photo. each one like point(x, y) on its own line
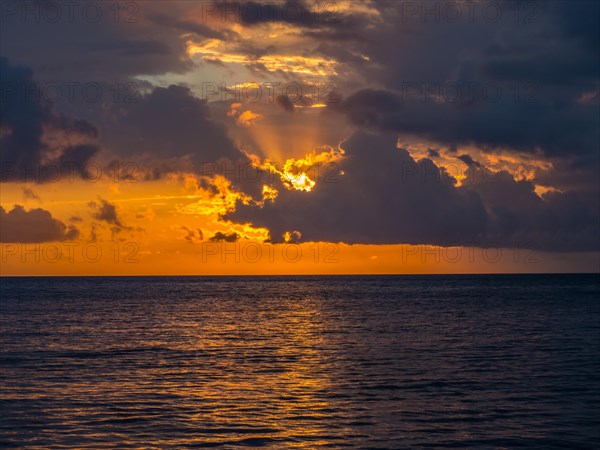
point(367, 362)
point(274, 378)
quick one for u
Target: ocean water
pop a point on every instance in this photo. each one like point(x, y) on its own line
point(301, 362)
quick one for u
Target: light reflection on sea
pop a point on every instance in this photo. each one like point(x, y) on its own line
point(307, 362)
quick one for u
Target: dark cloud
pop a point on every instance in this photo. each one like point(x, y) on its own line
point(468, 160)
point(391, 68)
point(433, 153)
point(25, 121)
point(298, 13)
point(386, 197)
point(552, 67)
point(33, 226)
point(517, 215)
point(187, 26)
point(285, 102)
point(168, 123)
point(192, 236)
point(223, 237)
point(107, 212)
point(579, 21)
point(124, 41)
point(540, 56)
point(29, 194)
point(380, 198)
point(556, 129)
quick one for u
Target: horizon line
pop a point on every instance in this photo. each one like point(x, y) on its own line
point(306, 275)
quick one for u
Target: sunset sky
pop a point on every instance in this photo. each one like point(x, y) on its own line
point(182, 137)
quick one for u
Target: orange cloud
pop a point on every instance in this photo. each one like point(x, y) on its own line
point(248, 118)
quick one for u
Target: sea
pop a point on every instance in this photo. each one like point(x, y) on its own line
point(377, 362)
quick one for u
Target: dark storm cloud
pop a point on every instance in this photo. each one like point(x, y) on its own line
point(387, 67)
point(556, 129)
point(188, 26)
point(131, 49)
point(541, 58)
point(33, 226)
point(223, 237)
point(386, 197)
point(579, 21)
point(168, 122)
point(192, 236)
point(558, 221)
point(24, 120)
point(99, 41)
point(106, 211)
point(548, 68)
point(284, 102)
point(298, 13)
point(163, 130)
point(468, 160)
point(380, 199)
point(29, 194)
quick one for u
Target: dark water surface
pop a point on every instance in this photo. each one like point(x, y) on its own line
point(301, 362)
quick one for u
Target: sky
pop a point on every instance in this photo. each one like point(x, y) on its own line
point(299, 137)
